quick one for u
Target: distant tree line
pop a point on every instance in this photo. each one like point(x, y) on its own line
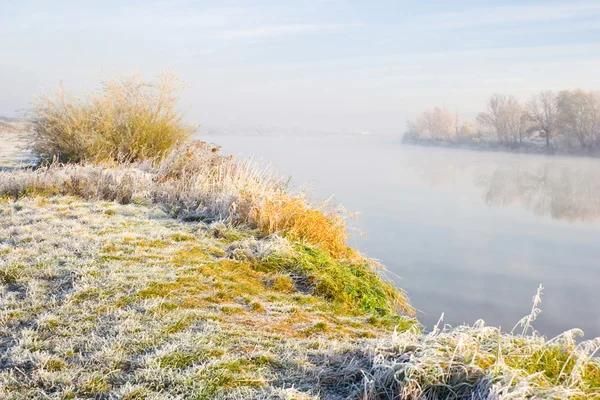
point(573, 116)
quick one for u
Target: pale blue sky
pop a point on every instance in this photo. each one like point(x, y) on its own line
point(315, 64)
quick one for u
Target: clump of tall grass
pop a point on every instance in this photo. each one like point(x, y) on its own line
point(482, 362)
point(195, 181)
point(243, 192)
point(128, 118)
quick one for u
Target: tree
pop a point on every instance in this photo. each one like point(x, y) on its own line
point(515, 115)
point(579, 115)
point(493, 118)
point(542, 114)
point(505, 116)
point(437, 123)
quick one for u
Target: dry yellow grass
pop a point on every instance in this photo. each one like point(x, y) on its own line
point(128, 118)
point(257, 197)
point(196, 181)
point(293, 217)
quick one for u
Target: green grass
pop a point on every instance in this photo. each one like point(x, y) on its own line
point(351, 285)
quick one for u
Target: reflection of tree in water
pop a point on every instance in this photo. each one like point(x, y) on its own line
point(563, 189)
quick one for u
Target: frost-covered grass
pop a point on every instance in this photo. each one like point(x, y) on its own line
point(101, 299)
point(481, 362)
point(202, 277)
point(197, 183)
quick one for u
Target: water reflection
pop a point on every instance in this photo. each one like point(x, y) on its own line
point(563, 189)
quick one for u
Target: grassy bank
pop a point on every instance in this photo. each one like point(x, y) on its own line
point(197, 276)
point(101, 299)
point(475, 143)
point(118, 282)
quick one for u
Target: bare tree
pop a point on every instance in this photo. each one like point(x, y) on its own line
point(505, 116)
point(579, 115)
point(515, 115)
point(573, 113)
point(437, 123)
point(542, 113)
point(493, 119)
point(417, 127)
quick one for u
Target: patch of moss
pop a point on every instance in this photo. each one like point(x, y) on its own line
point(179, 359)
point(158, 243)
point(89, 293)
point(179, 325)
point(232, 310)
point(55, 364)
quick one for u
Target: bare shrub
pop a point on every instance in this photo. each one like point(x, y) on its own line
point(128, 118)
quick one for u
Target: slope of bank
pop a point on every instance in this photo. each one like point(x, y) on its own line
point(100, 298)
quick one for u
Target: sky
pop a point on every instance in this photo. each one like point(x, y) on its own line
point(331, 65)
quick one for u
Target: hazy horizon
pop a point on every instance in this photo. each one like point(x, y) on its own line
point(323, 65)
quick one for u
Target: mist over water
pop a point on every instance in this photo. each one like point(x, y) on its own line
point(470, 234)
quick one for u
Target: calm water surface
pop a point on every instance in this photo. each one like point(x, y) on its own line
point(469, 234)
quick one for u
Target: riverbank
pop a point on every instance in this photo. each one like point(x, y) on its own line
point(527, 147)
point(160, 281)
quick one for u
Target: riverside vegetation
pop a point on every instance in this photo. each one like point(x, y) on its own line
point(563, 122)
point(132, 270)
